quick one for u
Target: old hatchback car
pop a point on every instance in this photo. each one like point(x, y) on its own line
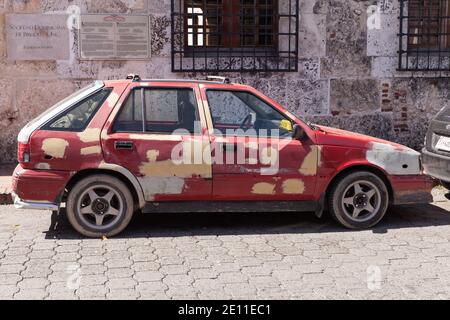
point(120, 147)
point(436, 154)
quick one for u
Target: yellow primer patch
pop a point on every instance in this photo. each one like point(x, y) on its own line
point(263, 188)
point(293, 186)
point(55, 147)
point(155, 137)
point(152, 155)
point(112, 99)
point(90, 135)
point(169, 169)
point(91, 150)
point(311, 162)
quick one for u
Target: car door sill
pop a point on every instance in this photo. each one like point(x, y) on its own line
point(231, 206)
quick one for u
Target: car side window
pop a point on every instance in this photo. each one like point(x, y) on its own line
point(166, 110)
point(79, 116)
point(130, 118)
point(245, 113)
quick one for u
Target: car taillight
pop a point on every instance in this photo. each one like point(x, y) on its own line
point(23, 152)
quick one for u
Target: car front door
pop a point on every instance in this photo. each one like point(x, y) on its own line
point(253, 153)
point(159, 134)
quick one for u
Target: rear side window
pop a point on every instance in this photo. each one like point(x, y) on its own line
point(444, 115)
point(166, 110)
point(79, 116)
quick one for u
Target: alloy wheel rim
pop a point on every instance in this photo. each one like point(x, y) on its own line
point(361, 201)
point(100, 207)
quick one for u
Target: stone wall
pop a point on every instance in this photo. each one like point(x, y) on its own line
point(347, 72)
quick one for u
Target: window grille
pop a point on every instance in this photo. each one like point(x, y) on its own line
point(235, 35)
point(424, 35)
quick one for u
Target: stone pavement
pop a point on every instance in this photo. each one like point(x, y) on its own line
point(224, 256)
point(5, 183)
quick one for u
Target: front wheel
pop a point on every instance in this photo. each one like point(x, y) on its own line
point(100, 205)
point(359, 200)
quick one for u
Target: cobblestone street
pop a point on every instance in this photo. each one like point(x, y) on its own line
point(224, 256)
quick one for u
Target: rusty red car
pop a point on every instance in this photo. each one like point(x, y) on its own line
point(120, 147)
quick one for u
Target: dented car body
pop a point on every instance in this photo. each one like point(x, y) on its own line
point(118, 147)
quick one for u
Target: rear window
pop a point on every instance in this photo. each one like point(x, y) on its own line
point(79, 116)
point(444, 115)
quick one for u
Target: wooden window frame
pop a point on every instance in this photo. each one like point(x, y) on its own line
point(422, 16)
point(230, 29)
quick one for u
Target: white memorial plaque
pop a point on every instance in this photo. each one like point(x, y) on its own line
point(37, 37)
point(122, 37)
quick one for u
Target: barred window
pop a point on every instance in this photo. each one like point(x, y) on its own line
point(234, 35)
point(424, 35)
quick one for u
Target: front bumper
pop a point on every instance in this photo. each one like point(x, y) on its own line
point(436, 165)
point(20, 204)
point(414, 189)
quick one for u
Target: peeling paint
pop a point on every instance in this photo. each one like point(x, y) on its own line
point(90, 135)
point(264, 188)
point(152, 155)
point(311, 162)
point(169, 169)
point(42, 166)
point(153, 186)
point(156, 137)
point(293, 186)
point(91, 150)
point(112, 99)
point(394, 160)
point(55, 147)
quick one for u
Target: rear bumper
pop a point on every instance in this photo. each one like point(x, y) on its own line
point(436, 165)
point(38, 189)
point(412, 189)
point(20, 204)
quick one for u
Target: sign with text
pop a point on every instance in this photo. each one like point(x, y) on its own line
point(115, 37)
point(37, 37)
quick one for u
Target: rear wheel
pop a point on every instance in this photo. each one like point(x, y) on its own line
point(359, 200)
point(100, 205)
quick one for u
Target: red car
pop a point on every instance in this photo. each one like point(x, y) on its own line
point(120, 147)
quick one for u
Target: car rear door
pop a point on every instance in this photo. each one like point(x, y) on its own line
point(159, 134)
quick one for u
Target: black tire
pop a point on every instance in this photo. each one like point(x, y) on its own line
point(344, 189)
point(122, 199)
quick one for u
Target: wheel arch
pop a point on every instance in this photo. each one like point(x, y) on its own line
point(116, 171)
point(362, 167)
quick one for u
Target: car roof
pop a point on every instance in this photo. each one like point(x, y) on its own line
point(211, 81)
point(214, 84)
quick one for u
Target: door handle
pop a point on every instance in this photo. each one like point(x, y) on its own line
point(124, 145)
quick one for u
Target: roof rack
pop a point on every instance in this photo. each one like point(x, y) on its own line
point(224, 80)
point(134, 77)
point(217, 79)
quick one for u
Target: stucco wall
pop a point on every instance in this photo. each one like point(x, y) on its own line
point(347, 72)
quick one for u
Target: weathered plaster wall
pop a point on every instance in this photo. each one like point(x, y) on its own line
point(347, 73)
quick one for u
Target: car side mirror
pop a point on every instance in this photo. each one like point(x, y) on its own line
point(298, 133)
